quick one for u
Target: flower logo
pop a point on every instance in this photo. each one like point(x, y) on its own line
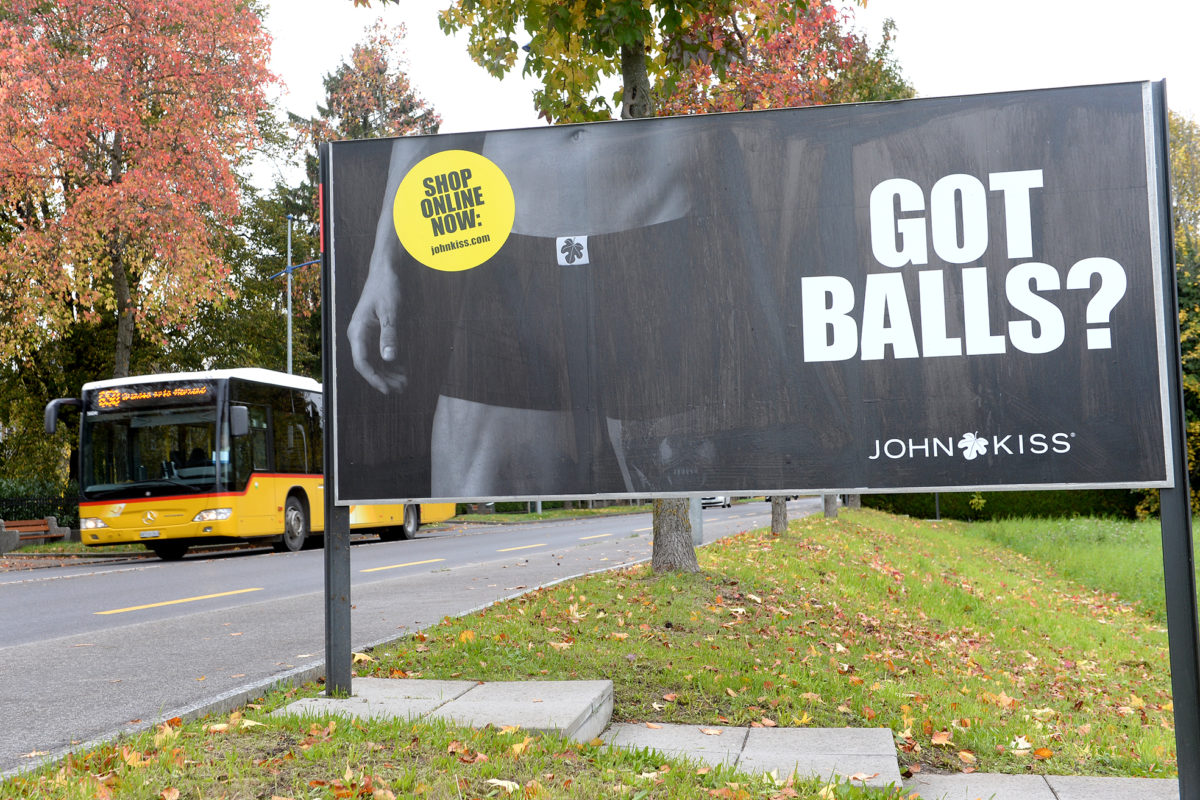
point(571, 250)
point(972, 445)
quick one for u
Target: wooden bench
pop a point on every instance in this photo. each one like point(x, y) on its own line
point(17, 532)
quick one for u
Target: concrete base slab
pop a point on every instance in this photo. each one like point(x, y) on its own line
point(866, 754)
point(578, 710)
point(821, 752)
point(381, 697)
point(687, 741)
point(1086, 788)
point(982, 785)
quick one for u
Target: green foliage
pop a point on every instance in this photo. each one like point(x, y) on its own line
point(1116, 503)
point(871, 75)
point(1185, 192)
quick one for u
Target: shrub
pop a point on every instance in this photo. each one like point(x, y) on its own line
point(1118, 503)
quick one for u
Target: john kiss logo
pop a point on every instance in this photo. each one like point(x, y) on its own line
point(972, 445)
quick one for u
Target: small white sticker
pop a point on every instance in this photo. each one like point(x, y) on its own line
point(572, 250)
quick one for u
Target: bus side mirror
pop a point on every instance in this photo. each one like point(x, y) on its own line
point(239, 420)
point(51, 416)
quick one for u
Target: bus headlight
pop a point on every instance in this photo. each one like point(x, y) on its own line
point(91, 523)
point(213, 514)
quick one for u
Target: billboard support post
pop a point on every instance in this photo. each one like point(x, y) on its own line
point(337, 518)
point(1175, 517)
point(338, 655)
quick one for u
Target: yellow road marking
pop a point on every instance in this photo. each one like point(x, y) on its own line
point(597, 536)
point(522, 547)
point(642, 530)
point(177, 602)
point(409, 564)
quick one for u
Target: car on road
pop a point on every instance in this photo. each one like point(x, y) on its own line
point(717, 501)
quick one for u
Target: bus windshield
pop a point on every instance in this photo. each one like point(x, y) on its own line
point(152, 451)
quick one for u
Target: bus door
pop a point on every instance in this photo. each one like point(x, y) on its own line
point(259, 512)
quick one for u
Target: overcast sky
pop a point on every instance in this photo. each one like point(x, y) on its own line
point(945, 47)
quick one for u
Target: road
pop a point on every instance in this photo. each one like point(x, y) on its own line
point(91, 651)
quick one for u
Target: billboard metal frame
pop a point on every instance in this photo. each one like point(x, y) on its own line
point(1176, 516)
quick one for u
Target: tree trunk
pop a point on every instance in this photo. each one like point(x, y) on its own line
point(831, 506)
point(121, 286)
point(673, 550)
point(779, 520)
point(125, 321)
point(854, 501)
point(635, 83)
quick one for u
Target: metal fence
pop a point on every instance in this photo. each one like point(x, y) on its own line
point(64, 509)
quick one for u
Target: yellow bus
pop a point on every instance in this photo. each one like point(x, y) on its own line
point(179, 459)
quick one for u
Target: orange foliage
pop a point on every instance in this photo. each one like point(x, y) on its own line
point(120, 124)
point(793, 66)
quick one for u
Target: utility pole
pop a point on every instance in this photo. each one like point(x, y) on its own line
point(288, 271)
point(289, 294)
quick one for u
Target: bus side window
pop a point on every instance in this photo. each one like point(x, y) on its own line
point(250, 451)
point(258, 439)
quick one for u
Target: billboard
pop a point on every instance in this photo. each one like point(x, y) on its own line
point(962, 292)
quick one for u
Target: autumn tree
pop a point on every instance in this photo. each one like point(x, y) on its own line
point(693, 56)
point(1184, 137)
point(120, 124)
point(367, 95)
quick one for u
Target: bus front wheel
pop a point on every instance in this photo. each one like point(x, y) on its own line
point(295, 527)
point(169, 551)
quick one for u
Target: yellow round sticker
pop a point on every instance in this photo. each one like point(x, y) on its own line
point(454, 210)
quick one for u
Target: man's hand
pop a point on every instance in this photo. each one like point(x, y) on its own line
point(374, 343)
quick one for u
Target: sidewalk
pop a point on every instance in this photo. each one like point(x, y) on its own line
point(581, 710)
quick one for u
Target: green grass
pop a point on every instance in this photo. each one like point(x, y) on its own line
point(964, 647)
point(251, 754)
point(961, 646)
point(549, 514)
point(1108, 555)
point(78, 548)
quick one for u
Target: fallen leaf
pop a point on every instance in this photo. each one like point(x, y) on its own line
point(361, 658)
point(653, 726)
point(863, 777)
point(169, 793)
point(711, 731)
point(1043, 753)
point(521, 747)
point(165, 733)
point(134, 758)
point(940, 738)
point(966, 756)
point(670, 697)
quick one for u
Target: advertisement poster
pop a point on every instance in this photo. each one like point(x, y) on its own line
point(962, 292)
